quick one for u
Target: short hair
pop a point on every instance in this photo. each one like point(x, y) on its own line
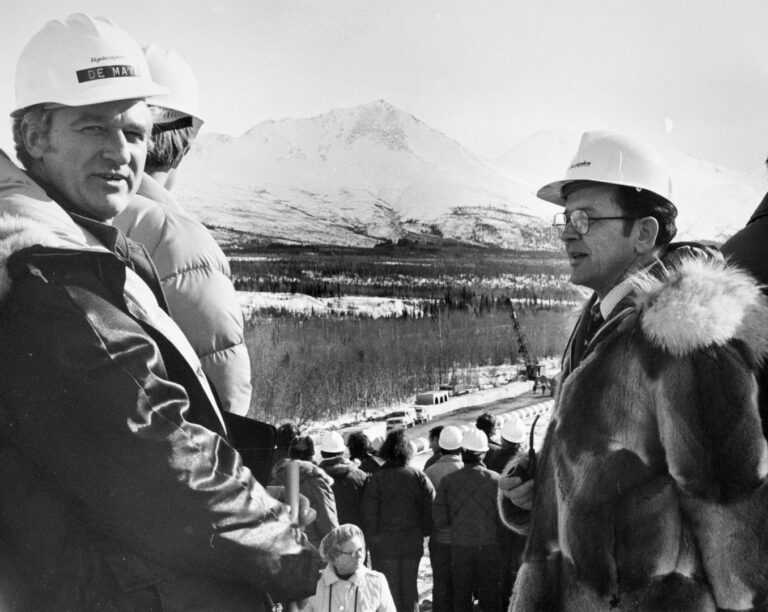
point(435, 431)
point(486, 423)
point(168, 147)
point(286, 434)
point(329, 545)
point(302, 448)
point(396, 448)
point(471, 457)
point(639, 203)
point(40, 118)
point(359, 444)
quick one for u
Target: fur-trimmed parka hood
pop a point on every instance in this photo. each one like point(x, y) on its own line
point(700, 302)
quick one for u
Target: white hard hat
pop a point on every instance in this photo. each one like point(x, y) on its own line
point(475, 440)
point(450, 438)
point(169, 70)
point(604, 157)
point(80, 61)
point(332, 442)
point(513, 429)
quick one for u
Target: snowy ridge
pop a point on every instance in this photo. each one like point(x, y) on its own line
point(356, 177)
point(362, 175)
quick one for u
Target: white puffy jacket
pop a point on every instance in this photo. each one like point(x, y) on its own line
point(196, 280)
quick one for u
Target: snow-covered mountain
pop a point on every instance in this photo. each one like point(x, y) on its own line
point(362, 175)
point(713, 202)
point(356, 177)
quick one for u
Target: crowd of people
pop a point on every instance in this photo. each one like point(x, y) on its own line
point(131, 476)
point(451, 503)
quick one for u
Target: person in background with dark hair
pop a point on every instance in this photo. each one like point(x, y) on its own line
point(434, 438)
point(397, 516)
point(193, 269)
point(651, 487)
point(314, 484)
point(361, 452)
point(489, 425)
point(286, 436)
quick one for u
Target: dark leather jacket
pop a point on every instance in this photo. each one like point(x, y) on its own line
point(120, 490)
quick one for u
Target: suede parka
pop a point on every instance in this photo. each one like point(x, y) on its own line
point(195, 276)
point(316, 486)
point(119, 487)
point(650, 492)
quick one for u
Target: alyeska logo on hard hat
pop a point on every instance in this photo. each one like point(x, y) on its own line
point(107, 72)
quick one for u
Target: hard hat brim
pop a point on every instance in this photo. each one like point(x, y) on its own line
point(553, 192)
point(115, 92)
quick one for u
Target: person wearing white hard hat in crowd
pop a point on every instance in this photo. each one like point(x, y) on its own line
point(649, 492)
point(512, 435)
point(449, 444)
point(193, 270)
point(120, 489)
point(465, 504)
point(348, 480)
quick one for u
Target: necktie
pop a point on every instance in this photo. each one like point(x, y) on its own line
point(594, 323)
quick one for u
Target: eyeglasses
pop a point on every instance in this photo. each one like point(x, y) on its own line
point(580, 220)
point(357, 552)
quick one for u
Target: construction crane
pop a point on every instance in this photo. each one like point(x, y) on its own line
point(532, 369)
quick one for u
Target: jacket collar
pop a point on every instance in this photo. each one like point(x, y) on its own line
point(329, 576)
point(761, 211)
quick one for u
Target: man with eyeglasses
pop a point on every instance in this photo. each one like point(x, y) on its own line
point(649, 492)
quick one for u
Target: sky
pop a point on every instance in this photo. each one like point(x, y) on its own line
point(691, 74)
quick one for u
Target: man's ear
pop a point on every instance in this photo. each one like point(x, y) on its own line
point(646, 230)
point(34, 140)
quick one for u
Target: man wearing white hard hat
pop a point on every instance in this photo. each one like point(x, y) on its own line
point(449, 461)
point(348, 480)
point(193, 270)
point(465, 503)
point(649, 492)
point(120, 488)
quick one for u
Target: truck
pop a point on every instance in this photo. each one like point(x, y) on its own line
point(425, 400)
point(375, 431)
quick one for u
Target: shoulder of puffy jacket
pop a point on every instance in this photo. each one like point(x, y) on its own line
point(699, 301)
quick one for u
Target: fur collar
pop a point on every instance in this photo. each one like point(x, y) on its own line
point(698, 303)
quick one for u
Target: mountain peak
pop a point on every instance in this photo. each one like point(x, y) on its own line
point(381, 121)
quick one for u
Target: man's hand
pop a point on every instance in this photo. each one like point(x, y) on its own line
point(307, 514)
point(515, 484)
point(518, 492)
